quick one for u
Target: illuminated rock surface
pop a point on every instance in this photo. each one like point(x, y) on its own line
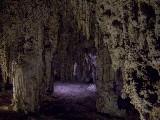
point(114, 43)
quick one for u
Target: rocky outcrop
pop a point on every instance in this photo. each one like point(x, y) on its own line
point(28, 37)
point(129, 52)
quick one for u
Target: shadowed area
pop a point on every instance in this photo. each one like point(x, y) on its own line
point(53, 52)
point(70, 101)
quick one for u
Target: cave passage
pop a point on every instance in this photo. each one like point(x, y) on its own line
point(75, 98)
point(88, 72)
point(54, 52)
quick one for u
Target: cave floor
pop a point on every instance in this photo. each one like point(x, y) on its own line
point(70, 101)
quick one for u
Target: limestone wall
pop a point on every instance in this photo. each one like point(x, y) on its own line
point(28, 37)
point(129, 43)
point(42, 38)
point(76, 35)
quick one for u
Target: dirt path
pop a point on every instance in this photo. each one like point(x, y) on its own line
point(75, 101)
point(70, 101)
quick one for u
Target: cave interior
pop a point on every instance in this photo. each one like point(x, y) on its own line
point(80, 59)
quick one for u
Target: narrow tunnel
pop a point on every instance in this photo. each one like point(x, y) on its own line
point(76, 93)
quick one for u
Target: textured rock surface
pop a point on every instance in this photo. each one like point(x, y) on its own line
point(27, 43)
point(129, 52)
point(75, 39)
point(42, 39)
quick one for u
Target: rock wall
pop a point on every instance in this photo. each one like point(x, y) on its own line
point(29, 34)
point(128, 57)
point(75, 40)
point(42, 38)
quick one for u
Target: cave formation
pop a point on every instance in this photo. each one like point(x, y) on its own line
point(113, 45)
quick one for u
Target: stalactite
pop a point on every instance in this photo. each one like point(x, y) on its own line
point(75, 36)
